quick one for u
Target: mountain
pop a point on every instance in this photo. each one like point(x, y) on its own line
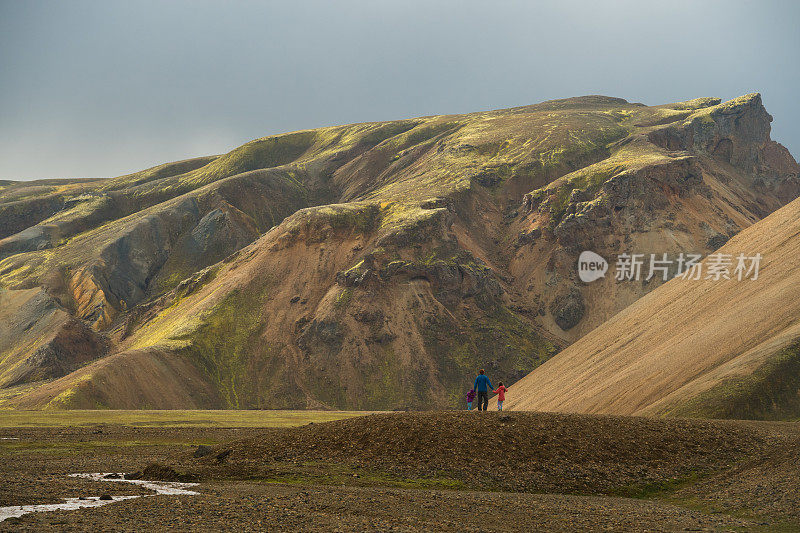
point(692, 348)
point(368, 266)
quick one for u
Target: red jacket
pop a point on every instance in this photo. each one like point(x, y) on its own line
point(501, 393)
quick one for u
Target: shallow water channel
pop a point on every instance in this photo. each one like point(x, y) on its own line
point(170, 488)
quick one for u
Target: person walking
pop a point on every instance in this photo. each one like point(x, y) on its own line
point(482, 387)
point(470, 399)
point(501, 395)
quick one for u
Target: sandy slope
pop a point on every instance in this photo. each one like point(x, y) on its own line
point(685, 339)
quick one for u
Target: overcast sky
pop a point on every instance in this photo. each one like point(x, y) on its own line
point(103, 88)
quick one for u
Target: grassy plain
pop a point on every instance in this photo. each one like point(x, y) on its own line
point(169, 418)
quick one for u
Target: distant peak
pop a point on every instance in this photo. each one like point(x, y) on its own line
point(588, 99)
point(752, 99)
point(697, 103)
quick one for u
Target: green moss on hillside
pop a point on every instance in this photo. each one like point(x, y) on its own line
point(363, 218)
point(588, 180)
point(771, 392)
point(499, 341)
point(386, 131)
point(262, 153)
point(389, 389)
point(343, 298)
point(155, 173)
point(229, 350)
point(424, 132)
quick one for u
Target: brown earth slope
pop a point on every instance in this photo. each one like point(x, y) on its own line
point(723, 349)
point(367, 266)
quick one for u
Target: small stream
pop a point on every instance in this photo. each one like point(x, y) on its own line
point(170, 488)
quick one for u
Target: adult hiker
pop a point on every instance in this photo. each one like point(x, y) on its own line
point(482, 387)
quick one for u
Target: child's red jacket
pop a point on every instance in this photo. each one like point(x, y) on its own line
point(501, 393)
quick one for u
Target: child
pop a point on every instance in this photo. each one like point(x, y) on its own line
point(470, 398)
point(501, 395)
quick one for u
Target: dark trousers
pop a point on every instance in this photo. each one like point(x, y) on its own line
point(483, 400)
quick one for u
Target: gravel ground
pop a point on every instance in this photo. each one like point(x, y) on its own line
point(388, 472)
point(34, 467)
point(279, 507)
point(523, 452)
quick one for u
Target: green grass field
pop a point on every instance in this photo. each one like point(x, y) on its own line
point(178, 418)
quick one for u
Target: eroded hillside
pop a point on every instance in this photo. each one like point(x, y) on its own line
point(719, 348)
point(367, 266)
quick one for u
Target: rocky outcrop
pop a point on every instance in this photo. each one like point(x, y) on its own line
point(736, 132)
point(321, 335)
point(699, 172)
point(73, 345)
point(568, 309)
point(632, 196)
point(29, 240)
point(119, 278)
point(451, 280)
point(16, 216)
point(39, 340)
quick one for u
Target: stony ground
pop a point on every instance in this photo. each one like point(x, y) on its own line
point(421, 472)
point(241, 506)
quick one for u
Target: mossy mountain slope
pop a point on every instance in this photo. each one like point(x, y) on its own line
point(374, 265)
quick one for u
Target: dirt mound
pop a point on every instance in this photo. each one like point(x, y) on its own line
point(531, 452)
point(159, 472)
